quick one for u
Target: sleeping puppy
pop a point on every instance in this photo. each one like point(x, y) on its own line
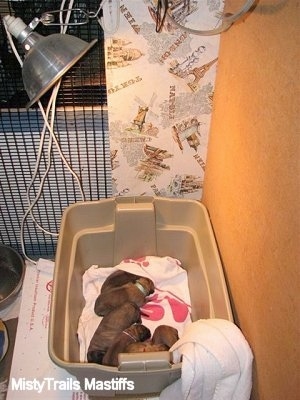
point(110, 327)
point(132, 292)
point(142, 347)
point(118, 278)
point(134, 333)
point(163, 338)
point(165, 334)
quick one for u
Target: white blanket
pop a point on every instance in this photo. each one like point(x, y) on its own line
point(216, 363)
point(168, 305)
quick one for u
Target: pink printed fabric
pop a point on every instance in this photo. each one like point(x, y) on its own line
point(170, 304)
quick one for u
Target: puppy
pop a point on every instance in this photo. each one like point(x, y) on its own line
point(163, 338)
point(134, 333)
point(118, 278)
point(110, 327)
point(132, 292)
point(165, 334)
point(143, 347)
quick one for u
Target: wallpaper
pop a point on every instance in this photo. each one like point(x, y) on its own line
point(160, 88)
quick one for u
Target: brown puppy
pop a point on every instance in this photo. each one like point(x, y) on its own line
point(165, 334)
point(134, 333)
point(132, 292)
point(118, 278)
point(163, 338)
point(110, 327)
point(141, 347)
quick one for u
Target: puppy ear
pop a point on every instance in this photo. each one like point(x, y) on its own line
point(146, 334)
point(153, 287)
point(150, 286)
point(152, 290)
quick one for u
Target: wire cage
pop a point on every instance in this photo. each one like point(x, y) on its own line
point(81, 126)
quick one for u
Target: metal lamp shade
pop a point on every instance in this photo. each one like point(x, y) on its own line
point(48, 59)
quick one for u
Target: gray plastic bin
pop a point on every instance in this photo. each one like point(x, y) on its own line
point(105, 232)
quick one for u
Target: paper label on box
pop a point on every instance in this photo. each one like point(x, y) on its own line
point(33, 374)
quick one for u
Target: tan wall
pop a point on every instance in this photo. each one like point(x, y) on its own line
point(252, 189)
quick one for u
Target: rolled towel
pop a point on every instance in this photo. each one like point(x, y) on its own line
point(216, 363)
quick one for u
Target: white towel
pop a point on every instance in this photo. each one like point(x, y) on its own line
point(216, 363)
point(168, 305)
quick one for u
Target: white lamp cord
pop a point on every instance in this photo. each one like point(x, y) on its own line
point(227, 22)
point(52, 138)
point(101, 20)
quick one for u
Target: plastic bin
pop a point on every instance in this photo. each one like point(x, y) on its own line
point(105, 232)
